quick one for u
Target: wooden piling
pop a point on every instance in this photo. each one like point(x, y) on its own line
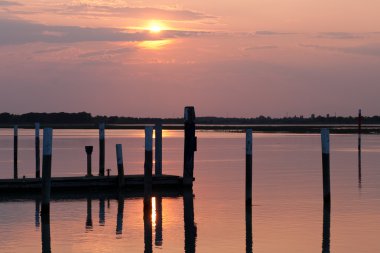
point(148, 161)
point(248, 167)
point(37, 149)
point(190, 146)
point(46, 169)
point(88, 150)
point(326, 164)
point(189, 224)
point(101, 149)
point(15, 152)
point(158, 150)
point(120, 166)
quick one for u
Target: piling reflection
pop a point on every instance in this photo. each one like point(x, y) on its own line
point(102, 216)
point(89, 225)
point(45, 232)
point(158, 221)
point(326, 227)
point(248, 229)
point(120, 214)
point(190, 227)
point(37, 213)
point(147, 224)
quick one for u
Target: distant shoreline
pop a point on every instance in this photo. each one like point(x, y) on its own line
point(273, 128)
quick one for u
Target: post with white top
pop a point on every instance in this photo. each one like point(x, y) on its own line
point(158, 149)
point(46, 169)
point(120, 166)
point(248, 167)
point(148, 161)
point(190, 146)
point(326, 164)
point(15, 152)
point(37, 148)
point(101, 149)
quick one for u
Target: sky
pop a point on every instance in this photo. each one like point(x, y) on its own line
point(227, 58)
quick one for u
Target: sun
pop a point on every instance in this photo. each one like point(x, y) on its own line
point(155, 27)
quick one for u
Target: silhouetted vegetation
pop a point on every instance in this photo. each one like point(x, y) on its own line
point(87, 118)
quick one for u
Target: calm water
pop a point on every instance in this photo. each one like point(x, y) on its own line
point(287, 213)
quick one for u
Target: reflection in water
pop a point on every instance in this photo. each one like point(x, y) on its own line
point(326, 227)
point(147, 224)
point(37, 214)
point(45, 232)
point(248, 229)
point(89, 215)
point(102, 216)
point(120, 214)
point(190, 227)
point(158, 221)
point(360, 161)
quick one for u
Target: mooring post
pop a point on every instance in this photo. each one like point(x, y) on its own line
point(101, 149)
point(190, 146)
point(15, 152)
point(120, 166)
point(37, 148)
point(158, 149)
point(46, 169)
point(88, 150)
point(248, 167)
point(326, 164)
point(148, 161)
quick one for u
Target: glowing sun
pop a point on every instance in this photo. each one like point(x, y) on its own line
point(155, 27)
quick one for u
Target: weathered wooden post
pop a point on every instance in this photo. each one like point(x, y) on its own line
point(45, 230)
point(37, 148)
point(46, 169)
point(190, 146)
point(120, 166)
point(326, 164)
point(88, 150)
point(158, 149)
point(190, 227)
point(248, 167)
point(148, 161)
point(89, 214)
point(148, 225)
point(360, 147)
point(15, 152)
point(326, 227)
point(101, 149)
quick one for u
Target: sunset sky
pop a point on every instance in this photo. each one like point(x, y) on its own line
point(227, 58)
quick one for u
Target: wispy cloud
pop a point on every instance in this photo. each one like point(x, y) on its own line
point(367, 50)
point(108, 52)
point(341, 35)
point(9, 3)
point(20, 32)
point(133, 12)
point(260, 47)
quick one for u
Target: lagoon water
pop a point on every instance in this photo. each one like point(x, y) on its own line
point(287, 214)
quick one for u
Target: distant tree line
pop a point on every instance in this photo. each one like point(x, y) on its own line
point(87, 118)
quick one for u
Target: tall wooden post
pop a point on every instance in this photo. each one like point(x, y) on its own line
point(158, 150)
point(101, 149)
point(37, 148)
point(148, 161)
point(15, 152)
point(248, 167)
point(190, 146)
point(326, 164)
point(46, 169)
point(120, 166)
point(88, 150)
